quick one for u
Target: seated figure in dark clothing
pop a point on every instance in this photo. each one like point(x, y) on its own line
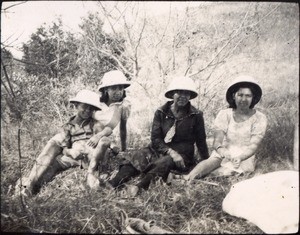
point(177, 126)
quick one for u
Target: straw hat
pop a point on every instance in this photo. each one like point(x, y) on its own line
point(87, 97)
point(182, 83)
point(113, 78)
point(244, 81)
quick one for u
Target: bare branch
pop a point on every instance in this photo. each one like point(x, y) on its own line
point(57, 110)
point(8, 79)
point(231, 51)
point(136, 49)
point(19, 3)
point(164, 33)
point(232, 35)
point(256, 23)
point(6, 88)
point(106, 16)
point(110, 55)
point(215, 57)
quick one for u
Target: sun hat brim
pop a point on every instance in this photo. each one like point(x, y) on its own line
point(169, 93)
point(257, 91)
point(87, 97)
point(86, 102)
point(125, 84)
point(182, 83)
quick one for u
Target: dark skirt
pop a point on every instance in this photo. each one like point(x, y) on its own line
point(140, 158)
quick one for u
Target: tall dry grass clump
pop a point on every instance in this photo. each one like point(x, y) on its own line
point(276, 149)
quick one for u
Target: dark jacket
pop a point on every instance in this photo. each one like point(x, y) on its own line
point(189, 130)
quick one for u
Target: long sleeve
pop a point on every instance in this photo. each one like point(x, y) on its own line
point(201, 137)
point(157, 136)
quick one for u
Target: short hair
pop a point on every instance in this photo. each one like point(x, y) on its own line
point(104, 96)
point(232, 103)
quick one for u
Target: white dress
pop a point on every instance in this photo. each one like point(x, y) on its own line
point(238, 136)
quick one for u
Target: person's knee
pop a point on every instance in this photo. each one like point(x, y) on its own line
point(165, 162)
point(50, 151)
point(104, 142)
point(216, 161)
point(162, 166)
point(44, 160)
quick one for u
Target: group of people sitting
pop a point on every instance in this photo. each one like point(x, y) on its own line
point(177, 127)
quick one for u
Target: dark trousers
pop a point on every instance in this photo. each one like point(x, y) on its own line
point(158, 169)
point(125, 173)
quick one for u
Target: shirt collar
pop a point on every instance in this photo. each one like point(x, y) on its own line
point(73, 123)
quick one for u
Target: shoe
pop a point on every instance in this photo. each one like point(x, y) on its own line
point(105, 184)
point(24, 189)
point(182, 179)
point(132, 190)
point(139, 226)
point(104, 176)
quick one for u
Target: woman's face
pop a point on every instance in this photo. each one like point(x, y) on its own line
point(243, 98)
point(85, 111)
point(115, 93)
point(181, 97)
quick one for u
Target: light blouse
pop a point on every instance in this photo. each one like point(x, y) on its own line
point(110, 115)
point(239, 135)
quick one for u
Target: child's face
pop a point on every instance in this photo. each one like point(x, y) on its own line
point(115, 93)
point(85, 111)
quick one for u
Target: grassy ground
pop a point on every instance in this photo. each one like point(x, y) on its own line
point(65, 205)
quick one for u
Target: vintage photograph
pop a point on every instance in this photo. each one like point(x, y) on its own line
point(149, 117)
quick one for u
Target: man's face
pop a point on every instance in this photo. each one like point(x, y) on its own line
point(181, 97)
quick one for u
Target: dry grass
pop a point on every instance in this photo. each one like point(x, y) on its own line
point(65, 205)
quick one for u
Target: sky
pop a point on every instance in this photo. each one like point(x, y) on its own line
point(20, 21)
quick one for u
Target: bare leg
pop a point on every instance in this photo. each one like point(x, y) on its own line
point(43, 166)
point(204, 168)
point(98, 155)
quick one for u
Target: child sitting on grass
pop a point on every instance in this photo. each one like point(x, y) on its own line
point(70, 147)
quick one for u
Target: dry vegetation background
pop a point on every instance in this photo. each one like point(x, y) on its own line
point(212, 43)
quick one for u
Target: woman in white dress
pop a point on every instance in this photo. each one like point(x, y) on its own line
point(238, 131)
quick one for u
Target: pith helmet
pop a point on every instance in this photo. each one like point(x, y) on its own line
point(244, 81)
point(87, 97)
point(113, 78)
point(182, 83)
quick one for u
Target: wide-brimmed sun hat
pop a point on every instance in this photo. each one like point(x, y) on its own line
point(113, 78)
point(87, 97)
point(244, 81)
point(181, 83)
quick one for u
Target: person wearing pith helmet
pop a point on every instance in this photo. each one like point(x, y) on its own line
point(238, 131)
point(66, 149)
point(114, 79)
point(183, 84)
point(115, 110)
point(244, 81)
point(177, 126)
